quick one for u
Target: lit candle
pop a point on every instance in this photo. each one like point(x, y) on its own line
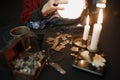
point(86, 29)
point(95, 36)
point(96, 32)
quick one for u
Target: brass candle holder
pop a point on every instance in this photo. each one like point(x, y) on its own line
point(79, 42)
point(86, 59)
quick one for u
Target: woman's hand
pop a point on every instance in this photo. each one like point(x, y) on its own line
point(51, 6)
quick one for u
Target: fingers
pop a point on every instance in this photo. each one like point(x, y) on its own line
point(62, 1)
point(52, 5)
point(58, 8)
point(57, 2)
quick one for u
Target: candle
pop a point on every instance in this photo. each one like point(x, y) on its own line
point(96, 31)
point(95, 36)
point(86, 29)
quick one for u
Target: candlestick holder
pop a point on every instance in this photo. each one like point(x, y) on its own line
point(92, 51)
point(79, 42)
point(88, 46)
point(83, 44)
point(92, 62)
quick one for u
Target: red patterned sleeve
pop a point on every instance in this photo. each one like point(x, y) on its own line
point(28, 8)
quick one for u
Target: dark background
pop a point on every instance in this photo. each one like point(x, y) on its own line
point(109, 41)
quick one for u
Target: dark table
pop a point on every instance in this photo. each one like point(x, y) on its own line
point(64, 58)
point(109, 42)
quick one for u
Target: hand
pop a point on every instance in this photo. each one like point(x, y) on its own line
point(49, 7)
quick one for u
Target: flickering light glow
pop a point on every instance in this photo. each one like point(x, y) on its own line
point(101, 3)
point(73, 9)
point(83, 63)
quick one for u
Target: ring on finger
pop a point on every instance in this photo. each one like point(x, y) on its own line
point(55, 4)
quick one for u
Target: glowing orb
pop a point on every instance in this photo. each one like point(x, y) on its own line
point(73, 9)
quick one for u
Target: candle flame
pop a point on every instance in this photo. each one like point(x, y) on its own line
point(101, 5)
point(100, 16)
point(87, 20)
